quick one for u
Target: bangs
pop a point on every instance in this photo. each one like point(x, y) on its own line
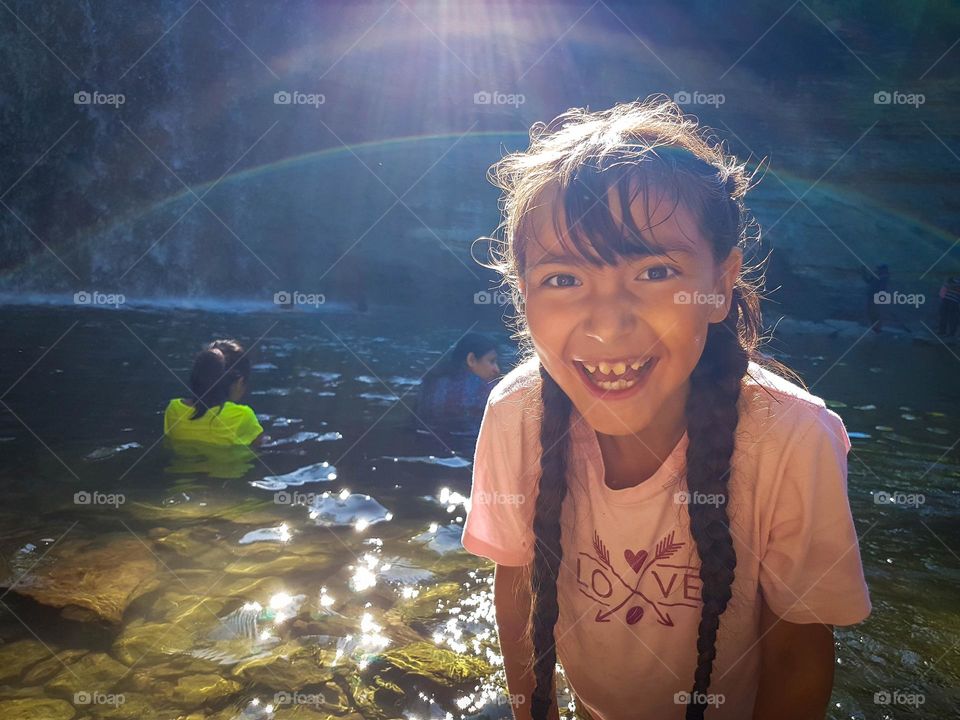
point(602, 230)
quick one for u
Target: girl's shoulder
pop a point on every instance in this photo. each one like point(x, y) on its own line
point(232, 408)
point(518, 390)
point(524, 378)
point(779, 410)
point(513, 408)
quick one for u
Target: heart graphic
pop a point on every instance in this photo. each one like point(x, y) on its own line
point(635, 560)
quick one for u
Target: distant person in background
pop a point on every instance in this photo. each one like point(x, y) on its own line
point(454, 393)
point(949, 307)
point(213, 415)
point(877, 281)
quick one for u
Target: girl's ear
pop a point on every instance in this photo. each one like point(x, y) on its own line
point(729, 272)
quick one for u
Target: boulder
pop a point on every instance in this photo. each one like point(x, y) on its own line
point(99, 577)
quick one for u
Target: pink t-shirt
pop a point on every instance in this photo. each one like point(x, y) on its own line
point(629, 586)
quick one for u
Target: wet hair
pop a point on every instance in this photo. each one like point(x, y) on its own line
point(455, 360)
point(215, 369)
point(573, 162)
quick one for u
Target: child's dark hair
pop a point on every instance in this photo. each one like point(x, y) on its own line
point(215, 369)
point(456, 359)
point(631, 148)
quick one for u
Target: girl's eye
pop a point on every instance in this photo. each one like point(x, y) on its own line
point(660, 272)
point(563, 280)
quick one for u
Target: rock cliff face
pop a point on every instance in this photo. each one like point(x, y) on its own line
point(150, 153)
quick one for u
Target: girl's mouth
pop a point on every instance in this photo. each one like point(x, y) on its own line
point(616, 380)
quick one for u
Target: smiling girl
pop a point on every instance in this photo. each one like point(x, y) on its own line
point(667, 512)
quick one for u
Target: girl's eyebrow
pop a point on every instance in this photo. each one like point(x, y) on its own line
point(571, 259)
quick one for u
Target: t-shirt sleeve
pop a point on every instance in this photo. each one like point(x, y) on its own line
point(810, 570)
point(248, 428)
point(499, 523)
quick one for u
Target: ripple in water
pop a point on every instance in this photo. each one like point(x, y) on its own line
point(318, 472)
point(346, 508)
point(451, 462)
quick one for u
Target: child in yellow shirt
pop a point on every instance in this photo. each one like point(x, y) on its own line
point(221, 372)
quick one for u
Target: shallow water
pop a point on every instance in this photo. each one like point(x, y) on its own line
point(240, 585)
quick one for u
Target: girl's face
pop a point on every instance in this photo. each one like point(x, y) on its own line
point(485, 366)
point(594, 327)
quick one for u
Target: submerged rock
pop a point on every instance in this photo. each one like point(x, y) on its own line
point(46, 669)
point(93, 672)
point(181, 507)
point(274, 561)
point(102, 576)
point(202, 545)
point(429, 601)
point(17, 656)
point(438, 665)
point(188, 611)
point(143, 641)
point(36, 708)
point(135, 706)
point(290, 666)
point(195, 690)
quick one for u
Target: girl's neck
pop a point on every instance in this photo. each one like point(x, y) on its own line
point(629, 460)
point(633, 458)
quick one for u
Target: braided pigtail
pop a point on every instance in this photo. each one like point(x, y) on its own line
point(711, 414)
point(544, 608)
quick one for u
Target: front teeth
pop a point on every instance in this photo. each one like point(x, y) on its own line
point(618, 368)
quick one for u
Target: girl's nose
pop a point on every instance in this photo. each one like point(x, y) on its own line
point(610, 321)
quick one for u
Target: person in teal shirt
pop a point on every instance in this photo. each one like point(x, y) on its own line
point(214, 415)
